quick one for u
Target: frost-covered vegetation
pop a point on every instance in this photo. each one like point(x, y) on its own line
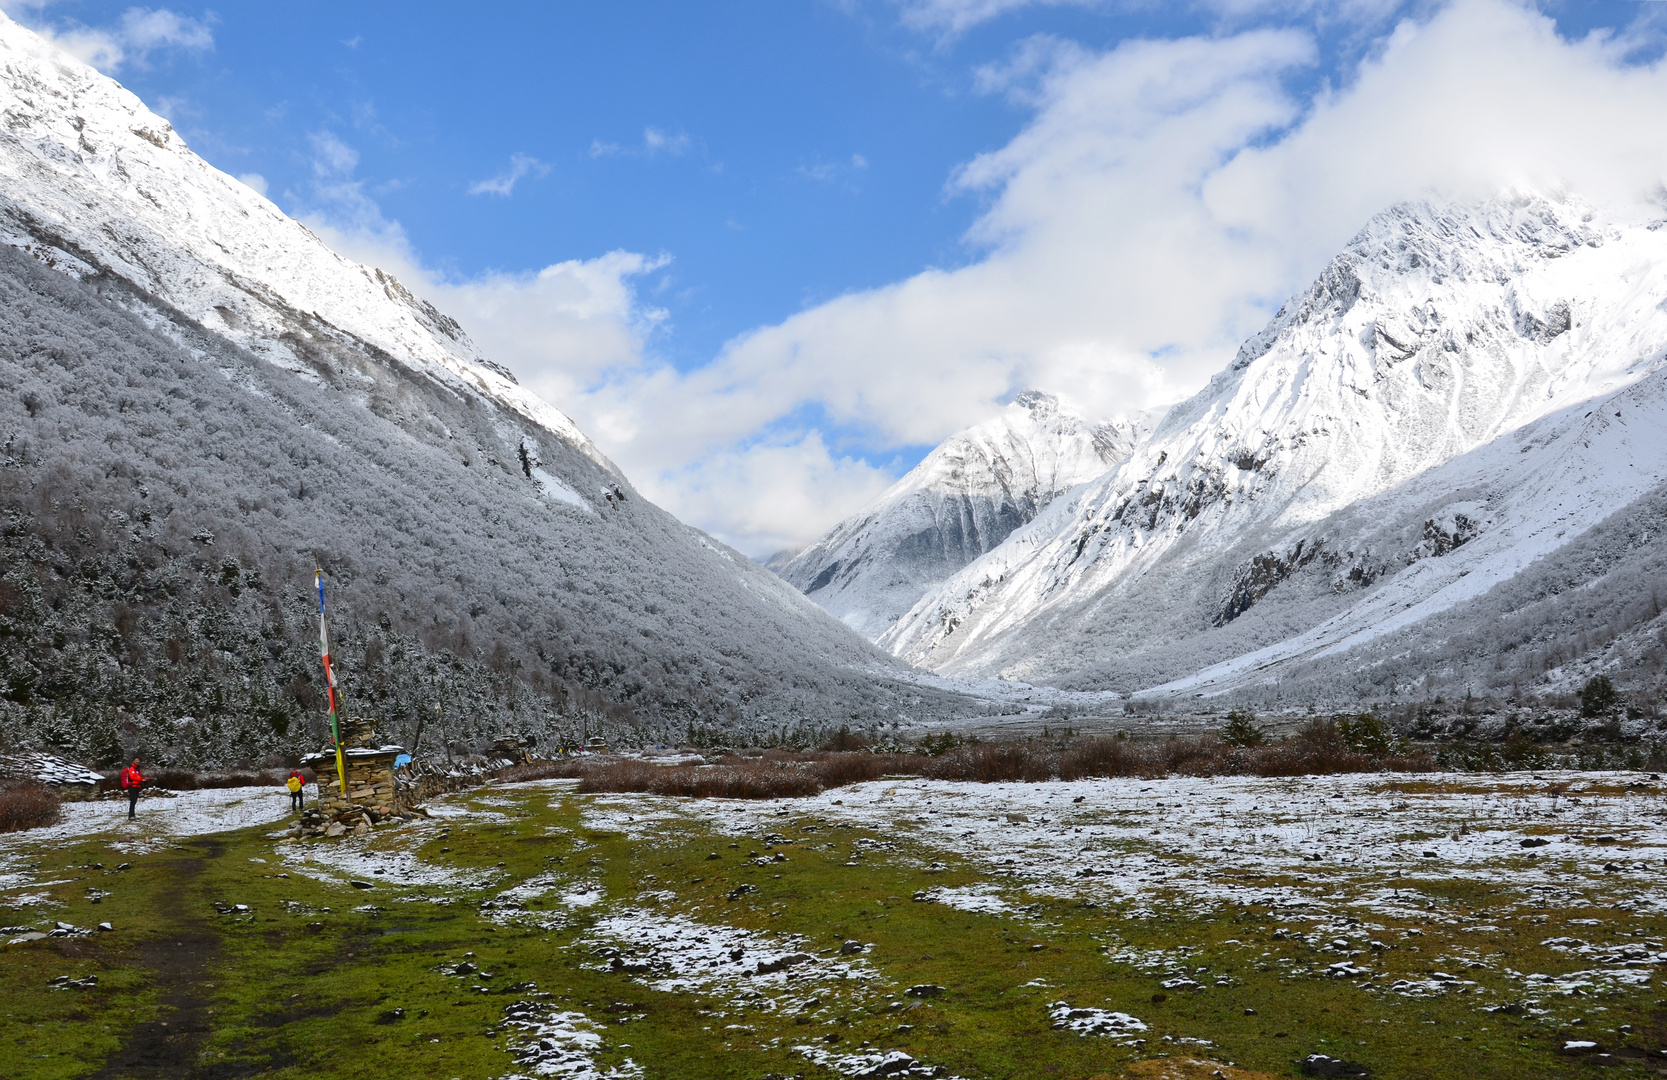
point(165, 497)
point(1420, 926)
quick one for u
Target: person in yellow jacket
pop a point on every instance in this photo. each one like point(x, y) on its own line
point(295, 783)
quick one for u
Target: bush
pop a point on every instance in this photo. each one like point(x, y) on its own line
point(539, 770)
point(28, 805)
point(1322, 747)
point(1598, 697)
point(941, 743)
point(993, 762)
point(1241, 730)
point(846, 740)
point(751, 779)
point(1365, 733)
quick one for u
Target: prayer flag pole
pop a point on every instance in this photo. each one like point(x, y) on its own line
point(329, 681)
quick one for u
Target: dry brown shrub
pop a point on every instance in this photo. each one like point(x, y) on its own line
point(28, 805)
point(1105, 757)
point(173, 779)
point(626, 775)
point(776, 773)
point(540, 770)
point(993, 763)
point(846, 740)
point(238, 779)
point(753, 781)
point(734, 778)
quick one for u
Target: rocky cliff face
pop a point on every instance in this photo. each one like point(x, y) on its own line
point(1463, 390)
point(963, 500)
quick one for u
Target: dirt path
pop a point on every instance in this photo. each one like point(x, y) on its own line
point(168, 1047)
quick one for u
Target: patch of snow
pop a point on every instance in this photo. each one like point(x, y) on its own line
point(1117, 1025)
point(560, 1043)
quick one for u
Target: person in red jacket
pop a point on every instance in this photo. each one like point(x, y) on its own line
point(131, 779)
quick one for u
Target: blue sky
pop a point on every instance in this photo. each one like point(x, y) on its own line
point(788, 246)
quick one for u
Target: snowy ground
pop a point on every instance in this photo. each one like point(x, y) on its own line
point(1352, 865)
point(1191, 839)
point(162, 818)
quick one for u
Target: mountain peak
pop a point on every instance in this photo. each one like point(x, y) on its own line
point(1439, 332)
point(961, 501)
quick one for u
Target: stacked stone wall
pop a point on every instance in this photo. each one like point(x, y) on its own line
point(370, 786)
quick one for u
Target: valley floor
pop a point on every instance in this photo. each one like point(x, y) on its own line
point(1420, 926)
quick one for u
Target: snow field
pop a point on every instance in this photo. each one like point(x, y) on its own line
point(1345, 862)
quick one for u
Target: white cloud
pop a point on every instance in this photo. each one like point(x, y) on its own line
point(770, 494)
point(1163, 199)
point(130, 41)
point(254, 180)
point(655, 141)
point(520, 167)
point(1099, 254)
point(954, 16)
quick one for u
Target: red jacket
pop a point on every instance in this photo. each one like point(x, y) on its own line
point(131, 777)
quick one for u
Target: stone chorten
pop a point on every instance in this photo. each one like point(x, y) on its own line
point(370, 775)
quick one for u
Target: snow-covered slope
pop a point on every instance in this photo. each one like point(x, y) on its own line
point(1435, 412)
point(197, 389)
point(960, 502)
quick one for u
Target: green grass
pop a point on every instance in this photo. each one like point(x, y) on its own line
point(306, 984)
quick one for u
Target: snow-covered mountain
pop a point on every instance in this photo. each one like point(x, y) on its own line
point(201, 399)
point(1464, 391)
point(961, 501)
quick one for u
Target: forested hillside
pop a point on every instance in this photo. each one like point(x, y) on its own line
point(166, 494)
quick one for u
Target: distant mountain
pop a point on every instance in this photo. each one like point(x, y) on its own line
point(963, 500)
point(201, 400)
point(1379, 496)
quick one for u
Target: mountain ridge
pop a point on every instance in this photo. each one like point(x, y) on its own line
point(1438, 331)
point(962, 500)
point(203, 400)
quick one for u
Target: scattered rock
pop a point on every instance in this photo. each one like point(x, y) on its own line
point(1321, 1065)
point(850, 947)
point(106, 927)
point(1575, 1047)
point(712, 856)
point(64, 982)
point(362, 884)
point(740, 891)
point(391, 1016)
point(924, 990)
point(782, 963)
point(891, 1064)
point(1510, 1009)
point(1535, 841)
